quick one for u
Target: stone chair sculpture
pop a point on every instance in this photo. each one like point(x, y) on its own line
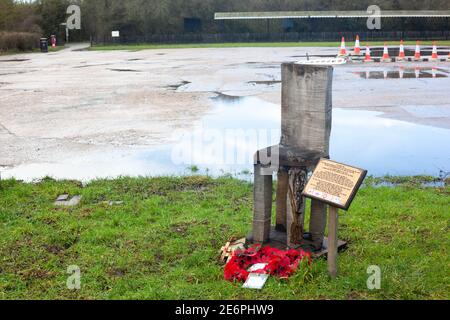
point(305, 137)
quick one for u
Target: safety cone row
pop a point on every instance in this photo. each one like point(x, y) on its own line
point(386, 57)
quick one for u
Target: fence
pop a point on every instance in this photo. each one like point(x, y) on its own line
point(278, 37)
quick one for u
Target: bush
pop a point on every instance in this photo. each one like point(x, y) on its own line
point(18, 41)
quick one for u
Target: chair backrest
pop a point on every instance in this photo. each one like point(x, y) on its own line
point(306, 107)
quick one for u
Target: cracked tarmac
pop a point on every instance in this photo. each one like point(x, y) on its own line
point(75, 103)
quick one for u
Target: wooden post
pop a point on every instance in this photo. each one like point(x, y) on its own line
point(333, 217)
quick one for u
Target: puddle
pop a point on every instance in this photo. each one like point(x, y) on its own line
point(315, 56)
point(409, 52)
point(228, 136)
point(91, 65)
point(124, 70)
point(17, 72)
point(15, 60)
point(227, 98)
point(404, 73)
point(265, 83)
point(389, 147)
point(175, 87)
point(255, 65)
point(428, 112)
point(435, 184)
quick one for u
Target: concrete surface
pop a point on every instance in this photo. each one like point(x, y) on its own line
point(73, 103)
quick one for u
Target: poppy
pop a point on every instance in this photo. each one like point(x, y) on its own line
point(280, 263)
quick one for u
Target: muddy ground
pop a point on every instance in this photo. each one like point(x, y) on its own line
point(69, 103)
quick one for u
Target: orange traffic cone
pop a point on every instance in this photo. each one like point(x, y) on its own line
point(386, 57)
point(368, 58)
point(434, 55)
point(401, 55)
point(417, 56)
point(357, 49)
point(343, 50)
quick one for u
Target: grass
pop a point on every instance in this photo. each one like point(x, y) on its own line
point(162, 242)
point(145, 46)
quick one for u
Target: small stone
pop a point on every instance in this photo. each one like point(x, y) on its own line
point(71, 203)
point(115, 203)
point(63, 197)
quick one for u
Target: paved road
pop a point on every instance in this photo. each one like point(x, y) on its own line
point(74, 103)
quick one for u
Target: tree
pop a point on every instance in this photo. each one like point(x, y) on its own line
point(7, 14)
point(53, 13)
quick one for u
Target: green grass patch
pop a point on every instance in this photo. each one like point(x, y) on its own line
point(162, 241)
point(146, 46)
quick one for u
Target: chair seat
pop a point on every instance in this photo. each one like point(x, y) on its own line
point(289, 156)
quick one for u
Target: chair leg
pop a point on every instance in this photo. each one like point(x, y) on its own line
point(317, 223)
point(283, 180)
point(262, 205)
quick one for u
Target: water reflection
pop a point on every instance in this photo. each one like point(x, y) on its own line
point(228, 136)
point(404, 73)
point(386, 146)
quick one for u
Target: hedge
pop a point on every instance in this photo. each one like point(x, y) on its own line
point(18, 41)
